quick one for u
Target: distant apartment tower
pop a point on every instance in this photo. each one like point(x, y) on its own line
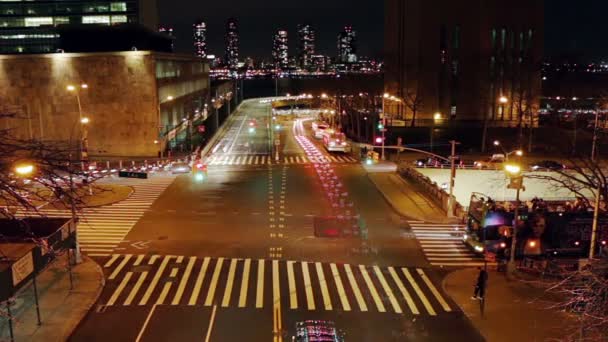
point(347, 45)
point(459, 58)
point(306, 45)
point(280, 54)
point(200, 39)
point(31, 26)
point(232, 44)
point(168, 31)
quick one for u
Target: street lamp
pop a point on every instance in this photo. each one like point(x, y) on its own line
point(84, 154)
point(436, 119)
point(24, 170)
point(84, 120)
point(516, 182)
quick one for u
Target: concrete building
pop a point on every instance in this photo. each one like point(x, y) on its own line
point(347, 45)
point(306, 46)
point(468, 60)
point(137, 101)
point(280, 50)
point(232, 44)
point(168, 31)
point(30, 26)
point(200, 39)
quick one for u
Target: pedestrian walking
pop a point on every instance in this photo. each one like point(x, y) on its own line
point(480, 285)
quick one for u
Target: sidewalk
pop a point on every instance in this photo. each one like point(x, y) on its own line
point(404, 198)
point(514, 310)
point(61, 310)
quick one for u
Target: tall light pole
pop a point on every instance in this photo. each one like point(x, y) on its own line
point(84, 153)
point(162, 137)
point(436, 118)
point(514, 173)
point(385, 97)
point(596, 207)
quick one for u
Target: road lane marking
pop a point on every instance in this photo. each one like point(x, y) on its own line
point(163, 294)
point(308, 287)
point(419, 292)
point(143, 328)
point(324, 289)
point(153, 259)
point(183, 282)
point(244, 284)
point(199, 282)
point(436, 293)
point(135, 288)
point(256, 160)
point(340, 287)
point(154, 281)
point(293, 297)
point(237, 161)
point(259, 296)
point(355, 287)
point(229, 283)
point(404, 292)
point(372, 289)
point(276, 294)
point(211, 321)
point(179, 259)
point(214, 279)
point(387, 290)
point(139, 259)
point(111, 261)
point(119, 289)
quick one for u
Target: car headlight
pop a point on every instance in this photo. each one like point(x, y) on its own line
point(344, 144)
point(332, 144)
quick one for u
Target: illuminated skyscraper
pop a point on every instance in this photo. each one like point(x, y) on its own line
point(306, 45)
point(232, 44)
point(31, 26)
point(200, 39)
point(280, 54)
point(347, 45)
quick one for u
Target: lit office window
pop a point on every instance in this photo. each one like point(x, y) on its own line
point(118, 7)
point(62, 20)
point(119, 19)
point(38, 21)
point(96, 19)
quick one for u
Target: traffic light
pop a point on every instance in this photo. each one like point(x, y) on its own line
point(380, 125)
point(379, 140)
point(200, 172)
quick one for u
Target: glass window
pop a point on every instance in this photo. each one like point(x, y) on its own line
point(38, 21)
point(12, 22)
point(96, 8)
point(10, 9)
point(503, 37)
point(96, 19)
point(493, 38)
point(62, 21)
point(118, 7)
point(118, 19)
point(457, 37)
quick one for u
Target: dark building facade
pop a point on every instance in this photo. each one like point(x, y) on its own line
point(200, 39)
point(232, 44)
point(31, 26)
point(280, 54)
point(477, 60)
point(306, 45)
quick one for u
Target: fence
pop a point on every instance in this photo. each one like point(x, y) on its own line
point(431, 189)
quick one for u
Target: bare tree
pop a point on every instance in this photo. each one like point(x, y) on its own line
point(413, 101)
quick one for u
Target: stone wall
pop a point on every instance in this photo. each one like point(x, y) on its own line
point(120, 101)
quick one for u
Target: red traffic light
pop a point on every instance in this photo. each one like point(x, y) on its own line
point(379, 140)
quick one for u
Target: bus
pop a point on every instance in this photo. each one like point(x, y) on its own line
point(550, 230)
point(335, 141)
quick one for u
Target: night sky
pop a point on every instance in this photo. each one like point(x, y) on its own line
point(573, 28)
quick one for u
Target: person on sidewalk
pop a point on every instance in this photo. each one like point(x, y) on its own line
point(480, 286)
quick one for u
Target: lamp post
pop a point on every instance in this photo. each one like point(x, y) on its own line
point(516, 182)
point(596, 207)
point(162, 142)
point(518, 153)
point(84, 155)
point(385, 96)
point(436, 119)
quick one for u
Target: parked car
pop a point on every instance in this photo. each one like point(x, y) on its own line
point(547, 165)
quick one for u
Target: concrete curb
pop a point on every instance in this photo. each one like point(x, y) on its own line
point(220, 132)
point(390, 203)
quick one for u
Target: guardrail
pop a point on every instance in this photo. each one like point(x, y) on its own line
point(431, 189)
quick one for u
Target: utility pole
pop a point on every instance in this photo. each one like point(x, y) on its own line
point(516, 182)
point(596, 207)
point(452, 179)
point(383, 128)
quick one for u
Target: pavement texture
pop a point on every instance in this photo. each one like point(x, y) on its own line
point(515, 310)
point(61, 309)
point(404, 198)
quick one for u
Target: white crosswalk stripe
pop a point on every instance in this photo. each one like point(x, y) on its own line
point(101, 229)
point(257, 160)
point(442, 244)
point(242, 283)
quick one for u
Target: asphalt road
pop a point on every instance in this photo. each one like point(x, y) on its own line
point(235, 258)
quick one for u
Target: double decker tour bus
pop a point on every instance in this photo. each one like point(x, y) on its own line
point(552, 229)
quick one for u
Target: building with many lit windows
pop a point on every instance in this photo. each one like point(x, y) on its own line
point(466, 60)
point(30, 26)
point(232, 44)
point(347, 45)
point(200, 39)
point(280, 54)
point(306, 45)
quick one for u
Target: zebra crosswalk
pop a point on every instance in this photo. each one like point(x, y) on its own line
point(253, 160)
point(442, 244)
point(247, 283)
point(101, 229)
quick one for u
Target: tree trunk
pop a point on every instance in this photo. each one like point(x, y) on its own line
point(413, 118)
